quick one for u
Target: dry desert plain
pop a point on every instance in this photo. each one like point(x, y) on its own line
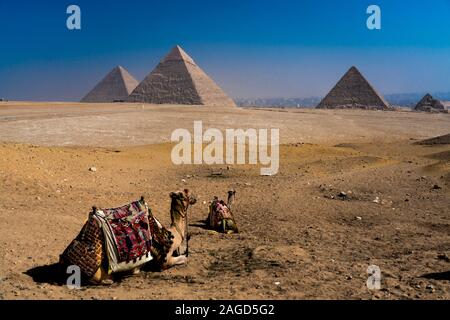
point(299, 239)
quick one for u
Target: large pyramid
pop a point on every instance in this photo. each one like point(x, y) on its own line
point(429, 104)
point(178, 80)
point(115, 87)
point(353, 91)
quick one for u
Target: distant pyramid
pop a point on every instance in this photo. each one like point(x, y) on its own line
point(429, 104)
point(353, 91)
point(116, 86)
point(178, 80)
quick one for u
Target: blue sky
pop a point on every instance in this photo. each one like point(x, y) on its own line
point(251, 48)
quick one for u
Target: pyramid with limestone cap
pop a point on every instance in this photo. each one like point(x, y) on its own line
point(116, 86)
point(177, 79)
point(353, 91)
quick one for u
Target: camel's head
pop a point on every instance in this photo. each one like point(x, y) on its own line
point(181, 201)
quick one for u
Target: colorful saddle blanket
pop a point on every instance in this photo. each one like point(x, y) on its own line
point(128, 239)
point(130, 227)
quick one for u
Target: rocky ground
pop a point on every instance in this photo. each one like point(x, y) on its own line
point(353, 190)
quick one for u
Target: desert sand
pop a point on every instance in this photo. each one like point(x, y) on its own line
point(300, 237)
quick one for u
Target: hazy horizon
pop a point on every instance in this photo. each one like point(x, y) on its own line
point(252, 49)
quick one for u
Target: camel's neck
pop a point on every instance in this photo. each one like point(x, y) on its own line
point(178, 221)
point(230, 200)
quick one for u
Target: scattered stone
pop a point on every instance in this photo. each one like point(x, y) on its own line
point(443, 256)
point(377, 295)
point(377, 200)
point(358, 218)
point(342, 195)
point(436, 187)
point(183, 180)
point(93, 169)
point(277, 283)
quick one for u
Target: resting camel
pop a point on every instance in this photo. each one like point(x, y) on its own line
point(164, 241)
point(220, 217)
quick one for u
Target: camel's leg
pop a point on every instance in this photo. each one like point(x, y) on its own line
point(101, 277)
point(171, 260)
point(136, 270)
point(174, 261)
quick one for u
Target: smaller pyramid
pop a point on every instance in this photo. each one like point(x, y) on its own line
point(429, 104)
point(115, 87)
point(353, 91)
point(177, 79)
